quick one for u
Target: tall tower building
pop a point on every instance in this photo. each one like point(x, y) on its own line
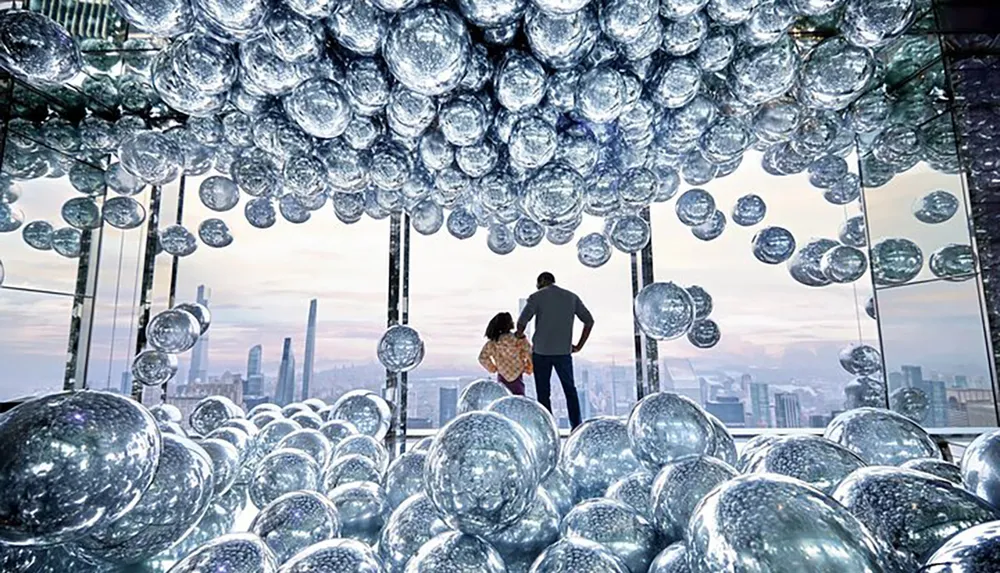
point(447, 405)
point(255, 378)
point(125, 387)
point(913, 376)
point(199, 354)
point(307, 364)
point(585, 411)
point(760, 405)
point(284, 394)
point(787, 410)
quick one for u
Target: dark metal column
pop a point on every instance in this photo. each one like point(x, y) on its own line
point(398, 313)
point(148, 268)
point(647, 356)
point(81, 322)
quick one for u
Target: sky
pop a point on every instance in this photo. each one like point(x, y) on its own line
point(261, 287)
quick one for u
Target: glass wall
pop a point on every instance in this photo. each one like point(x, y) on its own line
point(457, 286)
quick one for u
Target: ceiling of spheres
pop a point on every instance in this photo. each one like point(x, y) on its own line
point(521, 118)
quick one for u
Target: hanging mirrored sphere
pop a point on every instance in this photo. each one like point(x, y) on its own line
point(861, 359)
point(953, 262)
point(806, 266)
point(260, 212)
point(173, 331)
point(712, 228)
point(936, 207)
point(630, 233)
point(881, 437)
point(773, 245)
point(154, 367)
point(66, 242)
point(910, 402)
point(153, 157)
point(704, 333)
point(177, 241)
point(749, 210)
point(593, 250)
point(896, 261)
point(37, 49)
point(38, 235)
point(11, 218)
point(843, 264)
point(695, 207)
point(400, 349)
point(219, 193)
point(427, 50)
point(215, 233)
point(81, 213)
point(124, 213)
point(664, 310)
point(88, 485)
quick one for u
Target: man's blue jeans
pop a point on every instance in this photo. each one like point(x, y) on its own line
point(543, 376)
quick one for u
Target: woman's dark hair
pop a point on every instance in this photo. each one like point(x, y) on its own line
point(501, 324)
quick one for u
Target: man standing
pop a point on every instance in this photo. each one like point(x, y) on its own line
point(554, 309)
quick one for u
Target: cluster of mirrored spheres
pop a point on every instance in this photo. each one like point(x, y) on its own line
point(168, 334)
point(95, 482)
point(513, 116)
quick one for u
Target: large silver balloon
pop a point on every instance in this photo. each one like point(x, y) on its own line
point(678, 489)
point(673, 559)
point(311, 442)
point(405, 477)
point(233, 553)
point(616, 526)
point(665, 426)
point(815, 460)
point(174, 331)
point(368, 412)
point(635, 490)
point(281, 472)
point(363, 510)
point(981, 467)
point(938, 468)
point(352, 468)
point(881, 437)
point(334, 555)
point(36, 48)
point(764, 522)
point(597, 454)
point(912, 511)
point(561, 489)
point(455, 552)
point(974, 550)
point(411, 525)
point(578, 555)
point(520, 543)
point(479, 394)
point(71, 446)
point(366, 446)
point(400, 349)
point(481, 472)
point(296, 521)
point(538, 423)
point(211, 412)
point(664, 311)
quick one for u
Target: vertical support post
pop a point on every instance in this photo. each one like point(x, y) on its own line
point(652, 348)
point(81, 322)
point(174, 263)
point(398, 313)
point(640, 379)
point(148, 268)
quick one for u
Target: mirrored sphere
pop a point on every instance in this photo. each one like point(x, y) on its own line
point(154, 367)
point(896, 261)
point(981, 467)
point(881, 437)
point(38, 235)
point(953, 262)
point(673, 559)
point(938, 468)
point(936, 207)
point(597, 454)
point(975, 549)
point(427, 50)
point(219, 193)
point(593, 250)
point(481, 472)
point(281, 472)
point(200, 312)
point(773, 245)
point(749, 210)
point(36, 48)
point(368, 412)
point(665, 426)
point(400, 349)
point(538, 423)
point(815, 460)
point(704, 333)
point(580, 556)
point(617, 527)
point(78, 436)
point(177, 241)
point(456, 552)
point(211, 412)
point(478, 395)
point(363, 510)
point(664, 310)
point(746, 519)
point(334, 555)
point(634, 490)
point(296, 521)
point(123, 213)
point(173, 331)
point(215, 233)
point(861, 359)
point(679, 487)
point(405, 477)
point(412, 524)
point(232, 553)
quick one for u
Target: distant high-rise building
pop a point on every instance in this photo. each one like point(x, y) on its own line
point(125, 387)
point(961, 381)
point(198, 372)
point(584, 393)
point(82, 18)
point(937, 403)
point(447, 405)
point(787, 410)
point(678, 375)
point(255, 378)
point(913, 376)
point(729, 410)
point(895, 380)
point(284, 394)
point(760, 405)
point(307, 363)
point(818, 420)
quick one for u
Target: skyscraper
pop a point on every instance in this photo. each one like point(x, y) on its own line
point(584, 393)
point(126, 384)
point(447, 405)
point(255, 378)
point(787, 410)
point(961, 381)
point(307, 364)
point(760, 405)
point(913, 376)
point(284, 394)
point(198, 372)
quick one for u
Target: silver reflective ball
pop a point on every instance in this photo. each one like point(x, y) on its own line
point(597, 454)
point(881, 437)
point(617, 527)
point(296, 521)
point(981, 467)
point(400, 349)
point(334, 555)
point(579, 556)
point(174, 331)
point(211, 412)
point(481, 472)
point(767, 522)
point(538, 423)
point(368, 412)
point(937, 468)
point(411, 525)
point(680, 486)
point(281, 472)
point(912, 511)
point(70, 445)
point(479, 394)
point(635, 490)
point(233, 553)
point(363, 510)
point(522, 542)
point(974, 550)
point(673, 559)
point(813, 459)
point(665, 426)
point(455, 552)
point(405, 477)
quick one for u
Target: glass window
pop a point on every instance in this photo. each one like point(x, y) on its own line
point(33, 342)
point(456, 287)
